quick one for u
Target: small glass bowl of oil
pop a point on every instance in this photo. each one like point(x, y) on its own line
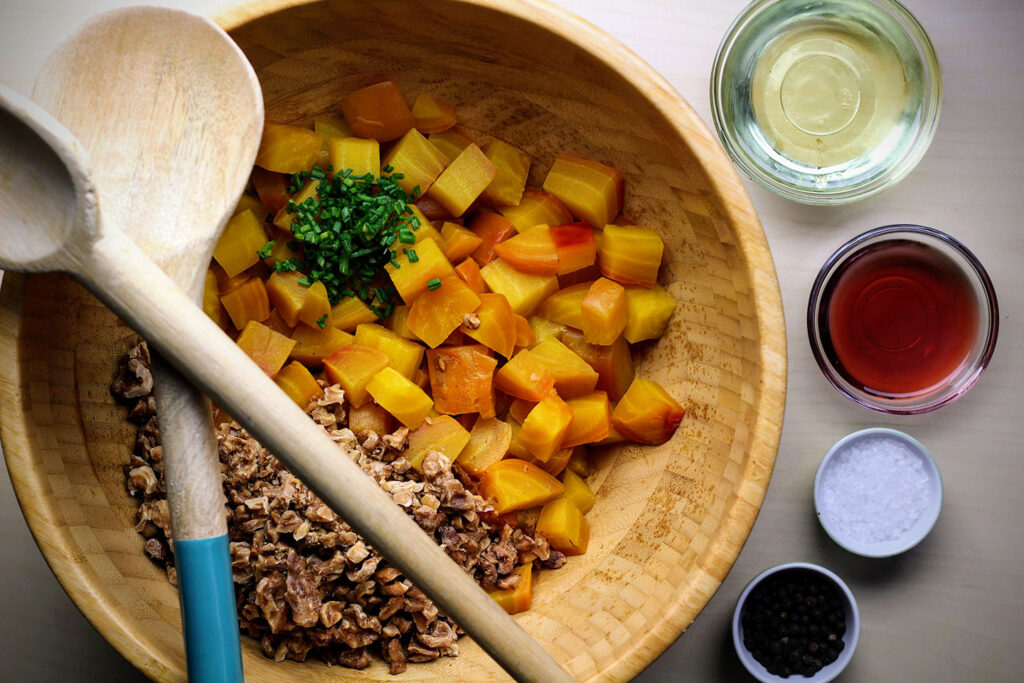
point(902, 319)
point(826, 101)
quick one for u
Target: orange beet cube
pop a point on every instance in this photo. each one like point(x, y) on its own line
point(438, 312)
point(546, 426)
point(630, 254)
point(647, 414)
point(403, 355)
point(432, 115)
point(591, 190)
point(613, 363)
point(494, 325)
point(451, 142)
point(575, 246)
point(353, 366)
point(591, 419)
point(520, 409)
point(565, 527)
point(524, 291)
point(442, 434)
point(649, 310)
point(536, 208)
point(295, 380)
point(469, 272)
point(518, 599)
point(369, 418)
point(488, 443)
point(513, 167)
point(461, 379)
point(378, 111)
point(351, 312)
point(524, 334)
point(492, 229)
point(312, 345)
point(410, 278)
point(248, 302)
point(577, 491)
point(417, 160)
point(531, 251)
point(604, 312)
point(354, 154)
point(266, 347)
point(237, 247)
point(514, 484)
point(466, 177)
point(525, 377)
point(271, 188)
point(407, 402)
point(566, 305)
point(573, 377)
point(288, 149)
point(459, 242)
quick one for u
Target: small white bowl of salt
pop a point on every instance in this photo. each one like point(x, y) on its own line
point(878, 492)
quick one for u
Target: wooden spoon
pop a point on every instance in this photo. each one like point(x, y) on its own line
point(50, 220)
point(175, 94)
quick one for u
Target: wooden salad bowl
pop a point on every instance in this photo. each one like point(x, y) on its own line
point(669, 520)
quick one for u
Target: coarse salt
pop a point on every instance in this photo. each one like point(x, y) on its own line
point(874, 490)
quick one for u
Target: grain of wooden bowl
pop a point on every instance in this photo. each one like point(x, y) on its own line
point(669, 520)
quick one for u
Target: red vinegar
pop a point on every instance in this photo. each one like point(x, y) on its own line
point(901, 320)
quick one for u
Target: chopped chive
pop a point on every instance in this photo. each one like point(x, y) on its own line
point(434, 284)
point(411, 253)
point(264, 251)
point(322, 321)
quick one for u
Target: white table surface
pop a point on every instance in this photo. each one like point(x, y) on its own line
point(950, 610)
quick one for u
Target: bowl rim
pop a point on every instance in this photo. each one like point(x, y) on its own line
point(755, 668)
point(107, 614)
point(921, 528)
point(815, 303)
point(923, 134)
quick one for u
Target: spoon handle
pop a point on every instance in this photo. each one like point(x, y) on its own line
point(121, 275)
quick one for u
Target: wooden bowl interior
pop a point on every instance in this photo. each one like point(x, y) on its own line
point(668, 521)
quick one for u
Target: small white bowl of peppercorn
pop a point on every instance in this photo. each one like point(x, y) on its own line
point(796, 621)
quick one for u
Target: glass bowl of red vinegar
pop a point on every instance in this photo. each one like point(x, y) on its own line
point(902, 319)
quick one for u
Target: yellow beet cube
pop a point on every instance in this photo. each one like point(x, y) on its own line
point(286, 295)
point(524, 291)
point(357, 155)
point(488, 443)
point(463, 181)
point(591, 190)
point(604, 312)
point(544, 329)
point(281, 251)
point(237, 247)
point(442, 434)
point(211, 302)
point(351, 312)
point(353, 366)
point(545, 427)
point(630, 254)
point(247, 302)
point(332, 126)
point(432, 115)
point(300, 386)
point(565, 527)
point(536, 208)
point(403, 355)
point(268, 348)
point(312, 344)
point(591, 419)
point(369, 418)
point(419, 162)
point(288, 149)
point(410, 278)
point(399, 323)
point(438, 312)
point(450, 142)
point(515, 484)
point(573, 376)
point(577, 491)
point(565, 306)
point(647, 413)
point(459, 242)
point(400, 397)
point(648, 312)
point(518, 599)
point(513, 167)
point(248, 202)
point(316, 309)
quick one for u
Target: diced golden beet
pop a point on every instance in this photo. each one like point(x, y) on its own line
point(312, 345)
point(275, 322)
point(604, 312)
point(369, 418)
point(410, 278)
point(591, 419)
point(316, 309)
point(565, 527)
point(614, 436)
point(531, 251)
point(545, 427)
point(248, 202)
point(488, 443)
point(516, 448)
point(432, 115)
point(536, 208)
point(378, 111)
point(417, 160)
point(351, 312)
point(520, 409)
point(573, 377)
point(575, 246)
point(649, 311)
point(353, 366)
point(613, 363)
point(493, 324)
point(577, 491)
point(513, 167)
point(459, 242)
point(524, 291)
point(424, 228)
point(469, 272)
point(237, 247)
point(580, 463)
point(211, 302)
point(283, 218)
point(492, 229)
point(407, 402)
point(515, 484)
point(225, 284)
point(630, 254)
point(566, 306)
point(451, 142)
point(295, 380)
point(544, 328)
point(518, 599)
point(271, 188)
point(286, 295)
point(588, 274)
point(438, 312)
point(281, 251)
point(248, 302)
point(330, 126)
point(524, 335)
point(267, 348)
point(554, 465)
point(525, 377)
point(403, 355)
point(399, 323)
point(591, 190)
point(466, 177)
point(442, 434)
point(288, 149)
point(461, 379)
point(354, 154)
point(647, 414)
point(456, 338)
point(432, 210)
